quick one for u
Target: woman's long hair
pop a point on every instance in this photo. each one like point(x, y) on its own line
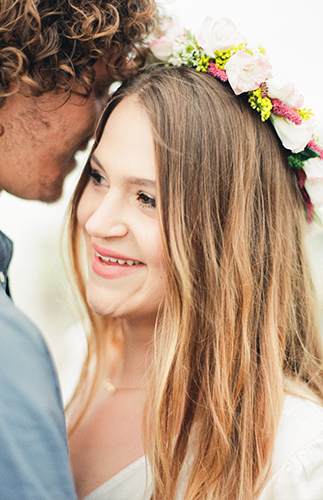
point(238, 318)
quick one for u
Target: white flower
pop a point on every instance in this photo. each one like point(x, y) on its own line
point(284, 90)
point(186, 51)
point(218, 35)
point(315, 192)
point(162, 48)
point(293, 137)
point(255, 49)
point(314, 180)
point(246, 72)
point(313, 168)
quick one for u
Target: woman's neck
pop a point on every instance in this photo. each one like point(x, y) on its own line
point(136, 354)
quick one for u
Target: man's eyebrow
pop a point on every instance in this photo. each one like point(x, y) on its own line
point(139, 181)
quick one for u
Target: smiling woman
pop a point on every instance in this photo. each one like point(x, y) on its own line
point(202, 321)
point(119, 219)
point(116, 209)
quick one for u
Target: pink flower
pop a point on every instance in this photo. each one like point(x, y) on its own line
point(217, 72)
point(218, 35)
point(162, 48)
point(246, 72)
point(281, 109)
point(313, 145)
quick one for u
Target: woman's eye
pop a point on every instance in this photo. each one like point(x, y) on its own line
point(146, 200)
point(96, 177)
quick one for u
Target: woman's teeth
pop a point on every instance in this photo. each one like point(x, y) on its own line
point(119, 261)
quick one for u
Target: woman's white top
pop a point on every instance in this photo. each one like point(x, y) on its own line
point(297, 468)
point(129, 484)
point(296, 473)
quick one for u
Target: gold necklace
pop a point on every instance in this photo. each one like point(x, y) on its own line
point(111, 388)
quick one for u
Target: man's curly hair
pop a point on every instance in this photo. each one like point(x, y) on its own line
point(50, 44)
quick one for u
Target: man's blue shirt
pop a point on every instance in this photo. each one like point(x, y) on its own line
point(34, 460)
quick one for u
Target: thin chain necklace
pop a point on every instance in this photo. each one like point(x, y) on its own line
point(111, 388)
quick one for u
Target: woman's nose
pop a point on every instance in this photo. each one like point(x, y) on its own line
point(108, 220)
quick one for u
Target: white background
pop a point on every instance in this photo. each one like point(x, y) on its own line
point(292, 34)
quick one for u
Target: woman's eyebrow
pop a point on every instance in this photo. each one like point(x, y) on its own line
point(139, 181)
point(94, 158)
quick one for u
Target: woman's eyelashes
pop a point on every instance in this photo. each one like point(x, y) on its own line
point(96, 177)
point(146, 201)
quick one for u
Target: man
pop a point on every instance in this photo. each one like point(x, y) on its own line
point(57, 60)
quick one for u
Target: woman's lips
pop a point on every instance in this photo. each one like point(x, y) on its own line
point(107, 253)
point(110, 264)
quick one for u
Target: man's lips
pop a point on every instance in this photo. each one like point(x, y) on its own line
point(83, 146)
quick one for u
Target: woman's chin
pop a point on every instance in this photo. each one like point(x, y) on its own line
point(97, 305)
point(99, 309)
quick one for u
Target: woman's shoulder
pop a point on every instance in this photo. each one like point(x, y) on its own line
point(301, 423)
point(297, 468)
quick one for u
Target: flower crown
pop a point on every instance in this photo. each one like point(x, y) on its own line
point(220, 50)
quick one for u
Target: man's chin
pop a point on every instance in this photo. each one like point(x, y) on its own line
point(52, 197)
point(51, 192)
point(48, 195)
